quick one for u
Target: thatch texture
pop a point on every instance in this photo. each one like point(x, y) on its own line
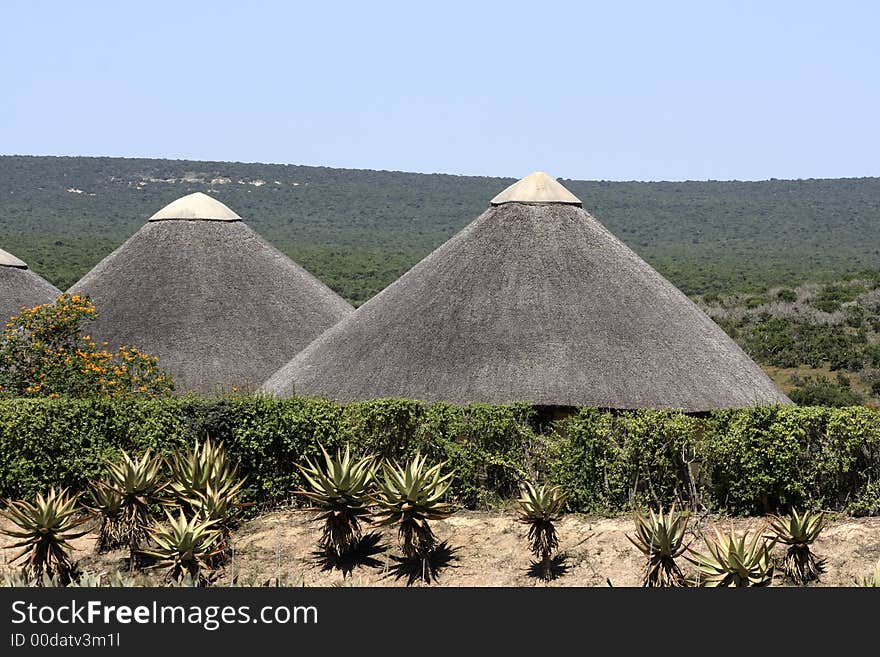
point(531, 302)
point(219, 306)
point(19, 286)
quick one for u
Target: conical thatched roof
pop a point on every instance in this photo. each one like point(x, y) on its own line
point(19, 286)
point(534, 301)
point(218, 305)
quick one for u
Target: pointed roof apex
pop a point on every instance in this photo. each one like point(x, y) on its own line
point(196, 207)
point(537, 187)
point(9, 260)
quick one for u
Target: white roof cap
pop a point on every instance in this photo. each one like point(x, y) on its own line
point(9, 260)
point(196, 207)
point(537, 187)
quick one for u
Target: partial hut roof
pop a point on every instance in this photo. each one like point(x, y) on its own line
point(220, 306)
point(533, 302)
point(21, 287)
point(196, 207)
point(9, 260)
point(537, 187)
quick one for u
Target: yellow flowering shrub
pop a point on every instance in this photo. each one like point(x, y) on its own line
point(44, 353)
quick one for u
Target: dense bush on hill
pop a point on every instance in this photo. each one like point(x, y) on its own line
point(821, 391)
point(743, 461)
point(834, 326)
point(359, 230)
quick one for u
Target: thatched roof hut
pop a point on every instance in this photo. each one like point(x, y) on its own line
point(218, 305)
point(19, 286)
point(534, 301)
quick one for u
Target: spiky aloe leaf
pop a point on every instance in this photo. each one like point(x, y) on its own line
point(205, 483)
point(410, 495)
point(798, 529)
point(21, 579)
point(44, 528)
point(540, 507)
point(192, 471)
point(217, 504)
point(185, 546)
point(660, 537)
point(735, 559)
point(136, 479)
point(139, 481)
point(101, 579)
point(340, 493)
point(798, 532)
point(541, 503)
point(107, 503)
point(105, 500)
point(872, 580)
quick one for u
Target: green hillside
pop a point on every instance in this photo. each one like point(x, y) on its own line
point(359, 230)
point(819, 342)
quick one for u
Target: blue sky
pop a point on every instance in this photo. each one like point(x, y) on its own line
point(605, 90)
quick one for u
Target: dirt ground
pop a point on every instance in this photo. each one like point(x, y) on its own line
point(483, 549)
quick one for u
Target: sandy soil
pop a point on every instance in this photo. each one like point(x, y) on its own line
point(485, 549)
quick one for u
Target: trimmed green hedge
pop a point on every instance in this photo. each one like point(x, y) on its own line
point(743, 461)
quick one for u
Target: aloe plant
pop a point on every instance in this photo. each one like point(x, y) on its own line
point(204, 482)
point(205, 463)
point(410, 495)
point(24, 579)
point(798, 532)
point(21, 579)
point(106, 503)
point(184, 547)
point(44, 529)
point(735, 560)
point(340, 493)
point(139, 482)
point(218, 505)
point(660, 537)
point(872, 580)
point(540, 508)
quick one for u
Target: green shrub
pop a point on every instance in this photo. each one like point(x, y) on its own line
point(489, 448)
point(67, 441)
point(752, 459)
point(848, 465)
point(830, 298)
point(872, 352)
point(821, 391)
point(610, 463)
point(786, 294)
point(44, 353)
point(743, 461)
point(763, 459)
point(587, 462)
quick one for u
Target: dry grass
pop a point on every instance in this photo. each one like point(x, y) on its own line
point(782, 377)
